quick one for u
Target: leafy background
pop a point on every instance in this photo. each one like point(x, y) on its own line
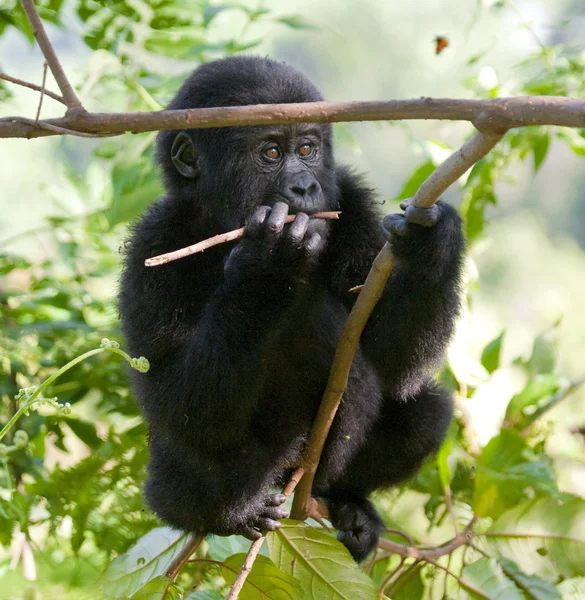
point(70, 479)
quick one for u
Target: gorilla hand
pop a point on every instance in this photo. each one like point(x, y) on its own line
point(270, 241)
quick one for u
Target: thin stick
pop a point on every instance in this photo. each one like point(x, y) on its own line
point(238, 584)
point(428, 554)
point(45, 66)
point(45, 45)
point(183, 557)
point(222, 238)
point(246, 568)
point(32, 86)
point(428, 193)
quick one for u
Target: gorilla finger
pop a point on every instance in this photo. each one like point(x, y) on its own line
point(251, 533)
point(394, 224)
point(257, 220)
point(314, 244)
point(277, 218)
point(427, 217)
point(274, 513)
point(275, 499)
point(405, 203)
point(298, 228)
point(268, 524)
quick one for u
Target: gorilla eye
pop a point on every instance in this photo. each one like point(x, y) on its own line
point(273, 153)
point(305, 150)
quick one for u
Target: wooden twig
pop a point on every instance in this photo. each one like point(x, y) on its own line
point(462, 539)
point(497, 114)
point(45, 66)
point(222, 238)
point(446, 174)
point(32, 86)
point(246, 568)
point(69, 95)
point(238, 584)
point(183, 557)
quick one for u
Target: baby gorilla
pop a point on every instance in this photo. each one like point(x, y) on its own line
point(241, 338)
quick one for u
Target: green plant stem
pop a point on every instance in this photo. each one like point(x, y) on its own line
point(30, 401)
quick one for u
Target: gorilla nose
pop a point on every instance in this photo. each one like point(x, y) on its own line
point(302, 184)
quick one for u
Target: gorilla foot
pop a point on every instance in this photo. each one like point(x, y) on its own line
point(358, 523)
point(265, 518)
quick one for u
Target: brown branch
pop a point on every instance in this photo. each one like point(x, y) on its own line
point(45, 65)
point(183, 557)
point(32, 86)
point(248, 563)
point(46, 47)
point(446, 174)
point(222, 238)
point(338, 376)
point(245, 569)
point(498, 114)
point(47, 125)
point(429, 554)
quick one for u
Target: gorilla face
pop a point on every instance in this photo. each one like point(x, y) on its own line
point(247, 167)
point(238, 169)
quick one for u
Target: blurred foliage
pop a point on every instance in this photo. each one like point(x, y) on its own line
point(70, 480)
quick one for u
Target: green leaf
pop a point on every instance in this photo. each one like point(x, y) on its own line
point(544, 352)
point(143, 563)
point(158, 589)
point(222, 547)
point(210, 12)
point(84, 430)
point(321, 564)
point(572, 589)
point(536, 391)
point(411, 589)
point(411, 186)
point(9, 262)
point(534, 587)
point(508, 472)
point(134, 189)
point(206, 595)
point(486, 579)
point(544, 536)
point(445, 474)
point(490, 357)
point(297, 22)
point(540, 148)
point(265, 580)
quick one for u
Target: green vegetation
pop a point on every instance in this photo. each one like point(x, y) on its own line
point(72, 464)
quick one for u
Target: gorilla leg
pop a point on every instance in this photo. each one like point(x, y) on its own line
point(404, 436)
point(222, 495)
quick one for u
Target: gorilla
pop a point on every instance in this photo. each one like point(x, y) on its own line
point(241, 338)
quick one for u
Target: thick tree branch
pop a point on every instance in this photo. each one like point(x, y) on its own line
point(32, 86)
point(496, 115)
point(446, 174)
point(46, 47)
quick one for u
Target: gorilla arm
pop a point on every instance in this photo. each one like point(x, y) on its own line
point(412, 323)
point(207, 365)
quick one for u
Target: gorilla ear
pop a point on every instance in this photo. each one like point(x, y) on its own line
point(185, 156)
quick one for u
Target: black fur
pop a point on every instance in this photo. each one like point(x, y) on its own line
point(241, 337)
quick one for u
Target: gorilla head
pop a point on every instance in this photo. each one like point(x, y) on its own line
point(245, 167)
